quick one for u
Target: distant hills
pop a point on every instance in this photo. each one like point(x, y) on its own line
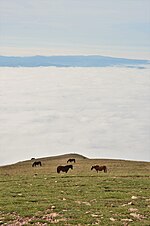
point(70, 61)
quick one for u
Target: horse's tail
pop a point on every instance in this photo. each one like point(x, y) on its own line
point(40, 164)
point(58, 169)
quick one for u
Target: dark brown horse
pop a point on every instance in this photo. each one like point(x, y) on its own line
point(71, 160)
point(32, 158)
point(64, 168)
point(99, 168)
point(37, 163)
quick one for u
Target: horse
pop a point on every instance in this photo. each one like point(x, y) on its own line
point(37, 163)
point(99, 168)
point(64, 168)
point(71, 160)
point(32, 158)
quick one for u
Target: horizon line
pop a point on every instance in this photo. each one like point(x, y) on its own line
point(74, 55)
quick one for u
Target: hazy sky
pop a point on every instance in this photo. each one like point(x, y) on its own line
point(111, 27)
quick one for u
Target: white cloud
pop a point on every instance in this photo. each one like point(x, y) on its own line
point(98, 112)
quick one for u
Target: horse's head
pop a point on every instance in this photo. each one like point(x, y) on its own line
point(71, 166)
point(92, 167)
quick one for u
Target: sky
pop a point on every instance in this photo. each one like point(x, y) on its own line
point(68, 27)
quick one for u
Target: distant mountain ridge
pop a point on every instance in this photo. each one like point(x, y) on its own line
point(70, 61)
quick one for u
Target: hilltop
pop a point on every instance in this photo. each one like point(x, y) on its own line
point(64, 156)
point(40, 196)
point(53, 161)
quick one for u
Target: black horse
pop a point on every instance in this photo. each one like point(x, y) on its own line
point(71, 160)
point(64, 168)
point(37, 163)
point(99, 168)
point(32, 158)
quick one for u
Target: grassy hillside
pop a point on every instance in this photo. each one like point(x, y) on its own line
point(39, 196)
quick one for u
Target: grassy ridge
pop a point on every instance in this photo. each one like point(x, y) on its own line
point(40, 196)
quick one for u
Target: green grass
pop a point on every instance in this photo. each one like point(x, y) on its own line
point(40, 196)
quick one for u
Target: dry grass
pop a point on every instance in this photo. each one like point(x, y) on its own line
point(39, 196)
